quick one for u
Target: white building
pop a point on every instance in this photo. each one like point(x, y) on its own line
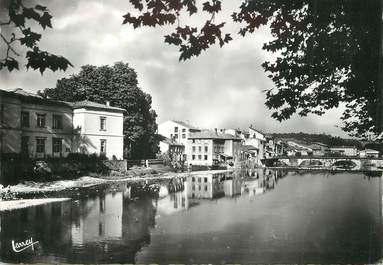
point(98, 129)
point(344, 150)
point(255, 139)
point(178, 131)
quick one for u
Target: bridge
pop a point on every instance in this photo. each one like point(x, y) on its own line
point(344, 162)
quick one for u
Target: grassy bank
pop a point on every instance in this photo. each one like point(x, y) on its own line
point(31, 189)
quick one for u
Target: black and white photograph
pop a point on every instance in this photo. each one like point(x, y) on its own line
point(191, 132)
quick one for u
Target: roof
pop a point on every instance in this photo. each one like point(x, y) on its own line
point(22, 92)
point(250, 147)
point(343, 147)
point(92, 105)
point(29, 97)
point(259, 131)
point(207, 134)
point(185, 124)
point(370, 151)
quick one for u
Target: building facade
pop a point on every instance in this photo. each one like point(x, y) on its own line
point(98, 129)
point(40, 127)
point(34, 126)
point(344, 150)
point(178, 132)
point(207, 148)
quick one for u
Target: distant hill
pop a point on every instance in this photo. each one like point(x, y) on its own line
point(321, 138)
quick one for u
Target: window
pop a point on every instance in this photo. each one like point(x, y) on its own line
point(102, 146)
point(176, 129)
point(102, 123)
point(199, 157)
point(199, 148)
point(205, 157)
point(193, 179)
point(193, 149)
point(56, 145)
point(40, 145)
point(24, 144)
point(57, 122)
point(205, 179)
point(176, 136)
point(206, 148)
point(183, 136)
point(41, 120)
point(193, 141)
point(183, 130)
point(193, 157)
point(205, 188)
point(25, 119)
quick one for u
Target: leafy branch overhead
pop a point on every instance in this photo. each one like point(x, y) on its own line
point(327, 50)
point(18, 37)
point(191, 40)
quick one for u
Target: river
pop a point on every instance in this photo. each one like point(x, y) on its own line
point(268, 216)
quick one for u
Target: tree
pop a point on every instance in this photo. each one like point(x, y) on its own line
point(117, 84)
point(17, 33)
point(327, 50)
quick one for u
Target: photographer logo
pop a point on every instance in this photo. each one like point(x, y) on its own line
point(21, 246)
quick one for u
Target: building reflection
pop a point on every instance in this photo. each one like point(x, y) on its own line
point(212, 186)
point(100, 221)
point(261, 181)
point(106, 228)
point(112, 225)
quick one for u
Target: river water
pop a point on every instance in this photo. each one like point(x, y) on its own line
point(241, 217)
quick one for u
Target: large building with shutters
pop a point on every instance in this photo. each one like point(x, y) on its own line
point(40, 127)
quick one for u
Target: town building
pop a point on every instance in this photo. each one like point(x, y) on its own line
point(272, 147)
point(319, 149)
point(34, 126)
point(343, 151)
point(368, 153)
point(207, 148)
point(175, 151)
point(255, 139)
point(178, 131)
point(40, 127)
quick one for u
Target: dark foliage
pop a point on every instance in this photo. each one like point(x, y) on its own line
point(319, 138)
point(17, 18)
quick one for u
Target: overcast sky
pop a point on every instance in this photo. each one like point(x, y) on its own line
point(221, 88)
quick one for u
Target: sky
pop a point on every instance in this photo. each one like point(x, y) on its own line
point(222, 88)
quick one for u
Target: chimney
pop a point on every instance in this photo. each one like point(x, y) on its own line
point(107, 103)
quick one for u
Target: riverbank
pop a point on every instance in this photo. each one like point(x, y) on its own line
point(20, 204)
point(86, 182)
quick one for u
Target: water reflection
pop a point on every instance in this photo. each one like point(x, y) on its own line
point(260, 216)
